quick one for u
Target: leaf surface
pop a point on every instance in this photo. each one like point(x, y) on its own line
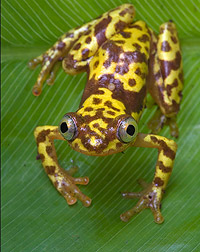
point(34, 216)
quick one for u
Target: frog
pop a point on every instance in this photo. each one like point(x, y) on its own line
point(125, 61)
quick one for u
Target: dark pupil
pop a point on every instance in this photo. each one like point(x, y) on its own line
point(63, 127)
point(130, 130)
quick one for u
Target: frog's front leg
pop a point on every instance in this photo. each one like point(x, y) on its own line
point(61, 179)
point(151, 196)
point(166, 78)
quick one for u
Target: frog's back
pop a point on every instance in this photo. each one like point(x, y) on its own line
point(121, 65)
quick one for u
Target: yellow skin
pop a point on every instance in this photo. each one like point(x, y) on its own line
point(123, 60)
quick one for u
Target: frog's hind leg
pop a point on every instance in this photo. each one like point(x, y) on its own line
point(76, 47)
point(99, 30)
point(166, 78)
point(52, 58)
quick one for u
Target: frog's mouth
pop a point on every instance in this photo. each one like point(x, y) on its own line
point(97, 147)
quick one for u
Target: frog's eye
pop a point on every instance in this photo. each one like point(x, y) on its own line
point(67, 127)
point(127, 130)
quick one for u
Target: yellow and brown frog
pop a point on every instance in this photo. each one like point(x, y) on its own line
point(123, 60)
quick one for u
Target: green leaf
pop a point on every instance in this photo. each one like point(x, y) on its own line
point(34, 216)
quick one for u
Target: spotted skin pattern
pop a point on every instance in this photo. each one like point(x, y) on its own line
point(124, 60)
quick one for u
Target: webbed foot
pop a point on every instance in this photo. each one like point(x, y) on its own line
point(66, 185)
point(159, 120)
point(50, 66)
point(150, 197)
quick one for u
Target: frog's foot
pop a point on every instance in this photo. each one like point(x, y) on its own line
point(66, 185)
point(158, 121)
point(35, 61)
point(53, 72)
point(150, 197)
point(173, 126)
point(49, 69)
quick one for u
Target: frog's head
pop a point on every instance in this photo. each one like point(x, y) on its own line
point(98, 135)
